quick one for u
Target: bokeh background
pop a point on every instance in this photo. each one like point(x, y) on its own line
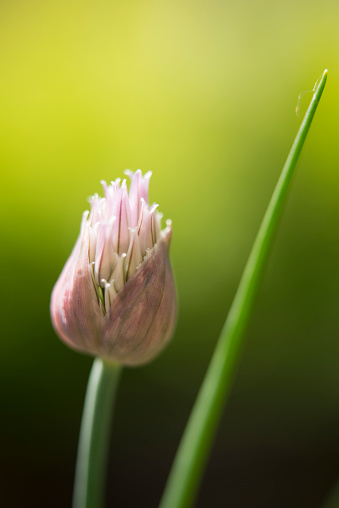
point(203, 94)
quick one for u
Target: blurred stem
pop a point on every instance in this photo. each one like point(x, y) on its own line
point(187, 469)
point(332, 500)
point(90, 473)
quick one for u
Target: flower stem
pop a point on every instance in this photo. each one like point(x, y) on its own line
point(94, 435)
point(332, 499)
point(197, 439)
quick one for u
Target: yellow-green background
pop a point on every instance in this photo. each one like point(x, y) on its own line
point(203, 93)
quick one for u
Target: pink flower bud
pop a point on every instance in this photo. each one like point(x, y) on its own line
point(115, 297)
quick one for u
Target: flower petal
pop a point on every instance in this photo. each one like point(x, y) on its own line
point(143, 316)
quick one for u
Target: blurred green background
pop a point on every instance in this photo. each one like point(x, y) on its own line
point(203, 94)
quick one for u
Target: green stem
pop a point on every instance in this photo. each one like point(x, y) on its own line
point(197, 439)
point(332, 500)
point(94, 435)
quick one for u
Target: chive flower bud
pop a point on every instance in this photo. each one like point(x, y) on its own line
point(115, 297)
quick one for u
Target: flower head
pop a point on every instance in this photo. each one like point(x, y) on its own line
point(115, 297)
